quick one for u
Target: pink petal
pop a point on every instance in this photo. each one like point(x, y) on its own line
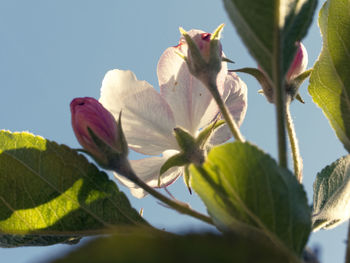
point(147, 170)
point(236, 100)
point(188, 98)
point(147, 119)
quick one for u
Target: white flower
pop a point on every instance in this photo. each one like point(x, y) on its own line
point(149, 117)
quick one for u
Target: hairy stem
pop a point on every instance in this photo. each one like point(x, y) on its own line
point(297, 160)
point(225, 113)
point(279, 89)
point(176, 205)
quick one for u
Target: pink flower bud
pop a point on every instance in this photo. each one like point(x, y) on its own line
point(202, 41)
point(204, 54)
point(299, 63)
point(88, 115)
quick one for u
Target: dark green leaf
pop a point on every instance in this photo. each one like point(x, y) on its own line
point(245, 190)
point(164, 247)
point(256, 23)
point(330, 79)
point(331, 205)
point(49, 190)
point(8, 241)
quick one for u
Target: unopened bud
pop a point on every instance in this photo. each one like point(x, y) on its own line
point(299, 63)
point(99, 133)
point(294, 77)
point(204, 53)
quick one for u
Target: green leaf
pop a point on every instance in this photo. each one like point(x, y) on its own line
point(49, 190)
point(245, 190)
point(10, 241)
point(330, 79)
point(258, 26)
point(149, 247)
point(331, 205)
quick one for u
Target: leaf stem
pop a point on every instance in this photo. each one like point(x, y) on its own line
point(297, 160)
point(181, 207)
point(225, 113)
point(279, 89)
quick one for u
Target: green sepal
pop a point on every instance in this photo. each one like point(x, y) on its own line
point(299, 98)
point(184, 139)
point(122, 139)
point(224, 59)
point(215, 58)
point(179, 159)
point(191, 149)
point(302, 77)
point(113, 159)
point(187, 178)
point(217, 33)
point(318, 224)
point(205, 133)
point(262, 78)
point(121, 148)
point(292, 88)
point(195, 53)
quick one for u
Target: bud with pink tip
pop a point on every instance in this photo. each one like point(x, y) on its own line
point(202, 41)
point(299, 63)
point(294, 77)
point(98, 132)
point(204, 54)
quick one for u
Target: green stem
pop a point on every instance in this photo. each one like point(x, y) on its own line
point(347, 257)
point(231, 123)
point(178, 206)
point(297, 160)
point(279, 90)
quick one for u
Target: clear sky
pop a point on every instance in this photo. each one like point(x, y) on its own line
point(52, 51)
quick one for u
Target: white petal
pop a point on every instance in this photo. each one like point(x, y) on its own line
point(147, 170)
point(188, 98)
point(235, 95)
point(147, 119)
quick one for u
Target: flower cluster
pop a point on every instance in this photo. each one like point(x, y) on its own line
point(149, 118)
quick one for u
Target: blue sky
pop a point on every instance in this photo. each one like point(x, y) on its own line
point(53, 51)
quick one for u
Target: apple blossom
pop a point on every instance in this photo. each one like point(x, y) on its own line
point(149, 117)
